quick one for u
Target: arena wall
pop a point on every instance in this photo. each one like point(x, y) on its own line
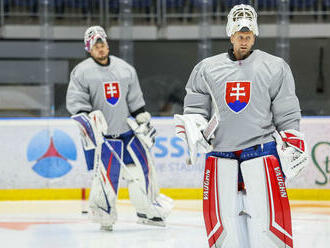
point(43, 159)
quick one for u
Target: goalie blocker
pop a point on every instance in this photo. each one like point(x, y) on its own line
point(196, 132)
point(111, 159)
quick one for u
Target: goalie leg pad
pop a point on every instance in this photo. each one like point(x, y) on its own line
point(144, 205)
point(110, 162)
point(86, 130)
point(222, 204)
point(140, 159)
point(140, 172)
point(104, 189)
point(102, 203)
point(89, 157)
point(137, 194)
point(143, 187)
point(267, 203)
point(91, 129)
point(88, 139)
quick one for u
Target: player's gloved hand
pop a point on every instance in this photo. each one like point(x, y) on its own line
point(291, 148)
point(145, 128)
point(189, 128)
point(143, 117)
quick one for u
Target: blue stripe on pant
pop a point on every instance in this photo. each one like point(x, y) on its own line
point(248, 153)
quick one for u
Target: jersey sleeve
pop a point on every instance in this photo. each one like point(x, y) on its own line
point(197, 99)
point(134, 96)
point(77, 96)
point(285, 104)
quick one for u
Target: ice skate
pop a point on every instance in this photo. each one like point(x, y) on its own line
point(155, 221)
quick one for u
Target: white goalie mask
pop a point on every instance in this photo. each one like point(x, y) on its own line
point(92, 34)
point(241, 16)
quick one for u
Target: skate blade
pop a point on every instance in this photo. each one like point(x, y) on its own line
point(106, 228)
point(151, 222)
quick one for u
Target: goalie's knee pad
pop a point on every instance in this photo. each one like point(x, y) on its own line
point(142, 169)
point(111, 164)
point(222, 204)
point(269, 224)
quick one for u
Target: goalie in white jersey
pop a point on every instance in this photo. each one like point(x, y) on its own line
point(103, 93)
point(253, 136)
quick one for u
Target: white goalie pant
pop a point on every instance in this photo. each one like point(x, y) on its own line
point(257, 218)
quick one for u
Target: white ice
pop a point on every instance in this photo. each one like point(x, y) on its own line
point(55, 224)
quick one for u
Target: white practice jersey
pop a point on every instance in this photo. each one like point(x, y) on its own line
point(114, 89)
point(254, 96)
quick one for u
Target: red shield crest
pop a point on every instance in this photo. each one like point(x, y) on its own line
point(237, 95)
point(112, 92)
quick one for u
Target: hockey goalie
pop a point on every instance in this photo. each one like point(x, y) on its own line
point(105, 157)
point(103, 92)
point(256, 144)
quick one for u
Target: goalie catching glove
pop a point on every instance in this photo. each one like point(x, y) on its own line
point(291, 148)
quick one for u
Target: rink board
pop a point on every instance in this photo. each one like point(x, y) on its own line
point(42, 158)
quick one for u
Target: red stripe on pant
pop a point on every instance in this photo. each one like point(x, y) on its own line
point(211, 210)
point(278, 201)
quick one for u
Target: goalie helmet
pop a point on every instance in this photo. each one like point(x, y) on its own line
point(240, 17)
point(92, 34)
